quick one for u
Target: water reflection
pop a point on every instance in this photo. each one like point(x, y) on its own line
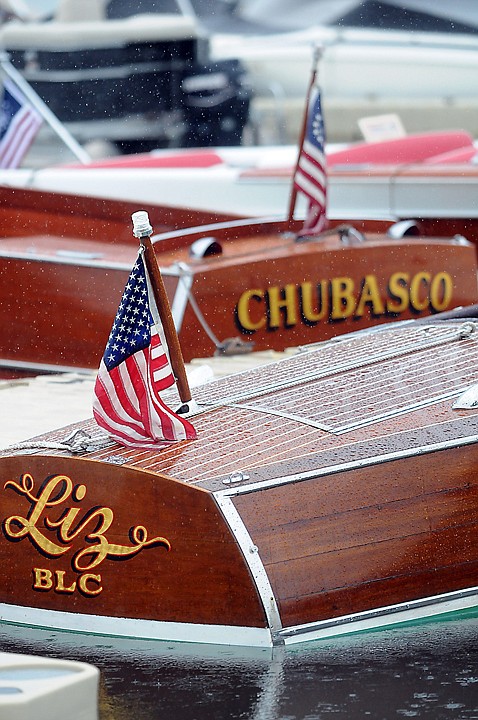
point(429, 670)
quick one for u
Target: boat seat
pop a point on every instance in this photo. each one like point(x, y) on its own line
point(72, 10)
point(120, 9)
point(84, 28)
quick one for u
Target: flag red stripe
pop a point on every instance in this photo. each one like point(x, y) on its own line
point(106, 403)
point(18, 138)
point(142, 423)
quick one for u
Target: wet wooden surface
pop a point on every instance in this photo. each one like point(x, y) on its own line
point(182, 564)
point(378, 534)
point(362, 498)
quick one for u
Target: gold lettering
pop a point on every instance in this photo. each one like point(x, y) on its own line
point(104, 549)
point(336, 299)
point(343, 301)
point(105, 519)
point(88, 583)
point(421, 278)
point(441, 291)
point(243, 311)
point(57, 490)
point(370, 294)
point(86, 578)
point(398, 287)
point(42, 579)
point(276, 303)
point(44, 500)
point(60, 587)
point(310, 315)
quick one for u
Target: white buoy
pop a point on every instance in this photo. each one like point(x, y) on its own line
point(47, 689)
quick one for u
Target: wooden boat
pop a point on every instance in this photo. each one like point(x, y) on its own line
point(432, 178)
point(440, 194)
point(330, 492)
point(240, 284)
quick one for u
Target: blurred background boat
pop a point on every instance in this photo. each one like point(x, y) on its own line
point(228, 72)
point(33, 686)
point(139, 75)
point(437, 170)
point(417, 58)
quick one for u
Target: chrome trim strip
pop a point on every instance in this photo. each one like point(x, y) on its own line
point(66, 259)
point(252, 558)
point(396, 412)
point(42, 367)
point(341, 430)
point(383, 617)
point(342, 467)
point(207, 229)
point(180, 300)
point(106, 625)
point(279, 413)
point(76, 259)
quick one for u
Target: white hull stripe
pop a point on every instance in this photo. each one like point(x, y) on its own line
point(239, 636)
point(383, 617)
point(135, 628)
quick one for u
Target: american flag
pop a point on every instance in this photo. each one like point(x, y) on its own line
point(134, 370)
point(19, 123)
point(311, 174)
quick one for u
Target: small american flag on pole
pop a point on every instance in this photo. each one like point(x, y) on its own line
point(19, 123)
point(311, 173)
point(134, 370)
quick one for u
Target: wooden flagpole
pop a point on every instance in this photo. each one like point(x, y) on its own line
point(313, 76)
point(143, 230)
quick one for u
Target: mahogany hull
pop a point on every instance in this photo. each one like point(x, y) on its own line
point(145, 522)
point(260, 288)
point(329, 547)
point(383, 534)
point(334, 491)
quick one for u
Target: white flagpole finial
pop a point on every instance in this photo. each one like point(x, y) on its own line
point(318, 52)
point(141, 225)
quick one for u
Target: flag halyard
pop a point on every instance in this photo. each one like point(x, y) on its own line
point(134, 370)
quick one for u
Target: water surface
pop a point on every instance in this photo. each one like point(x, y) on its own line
point(424, 671)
